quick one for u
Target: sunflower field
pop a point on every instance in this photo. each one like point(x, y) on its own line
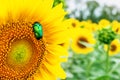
point(59, 40)
point(94, 44)
point(93, 50)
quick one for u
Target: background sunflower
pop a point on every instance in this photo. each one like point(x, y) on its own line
point(114, 47)
point(80, 37)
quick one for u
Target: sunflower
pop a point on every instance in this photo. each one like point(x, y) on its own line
point(114, 47)
point(103, 23)
point(91, 26)
point(71, 25)
point(84, 24)
point(31, 32)
point(81, 36)
point(116, 26)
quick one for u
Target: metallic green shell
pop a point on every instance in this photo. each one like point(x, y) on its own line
point(38, 31)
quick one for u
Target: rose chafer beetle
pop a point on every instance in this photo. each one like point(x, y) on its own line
point(38, 31)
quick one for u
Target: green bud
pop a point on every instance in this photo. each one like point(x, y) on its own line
point(106, 35)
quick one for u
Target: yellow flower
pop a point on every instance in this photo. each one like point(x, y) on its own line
point(31, 32)
point(82, 35)
point(89, 21)
point(94, 27)
point(91, 26)
point(73, 23)
point(116, 26)
point(103, 23)
point(114, 47)
point(83, 24)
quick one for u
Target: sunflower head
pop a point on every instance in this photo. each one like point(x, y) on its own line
point(104, 23)
point(73, 23)
point(21, 53)
point(115, 27)
point(82, 42)
point(114, 47)
point(30, 38)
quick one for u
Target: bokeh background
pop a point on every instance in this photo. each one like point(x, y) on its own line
point(94, 10)
point(93, 15)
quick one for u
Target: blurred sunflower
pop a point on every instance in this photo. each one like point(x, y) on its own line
point(94, 27)
point(114, 47)
point(103, 23)
point(72, 24)
point(30, 34)
point(91, 26)
point(84, 24)
point(81, 36)
point(116, 26)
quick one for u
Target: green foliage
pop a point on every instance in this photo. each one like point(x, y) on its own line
point(92, 66)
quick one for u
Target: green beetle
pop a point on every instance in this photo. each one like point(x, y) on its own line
point(38, 31)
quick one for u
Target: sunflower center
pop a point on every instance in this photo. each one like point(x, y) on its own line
point(21, 53)
point(113, 47)
point(81, 39)
point(117, 29)
point(73, 24)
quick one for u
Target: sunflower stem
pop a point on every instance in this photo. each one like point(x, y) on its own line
point(90, 62)
point(107, 62)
